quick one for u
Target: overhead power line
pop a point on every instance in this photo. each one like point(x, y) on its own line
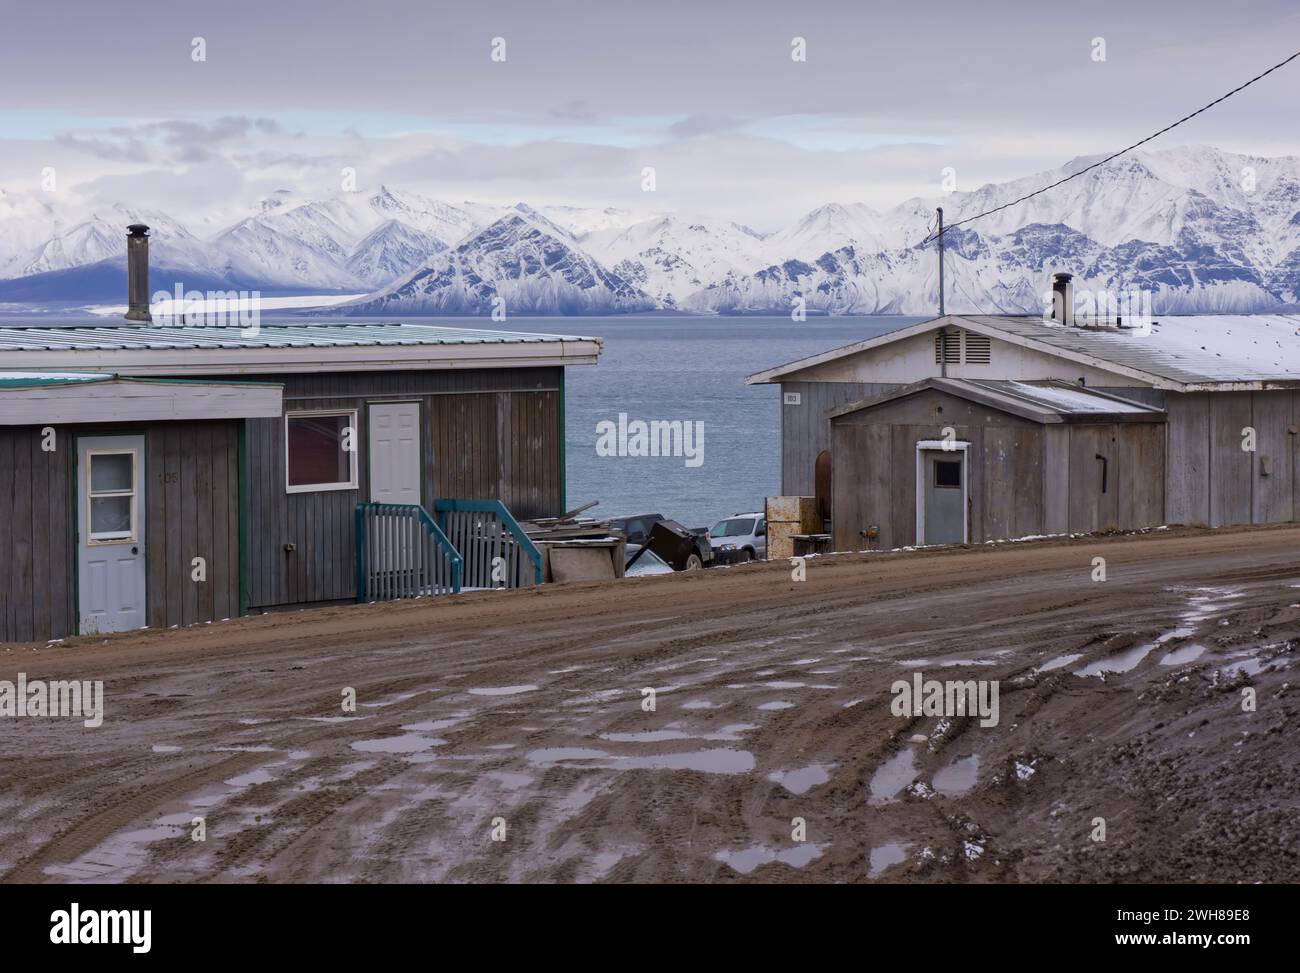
point(1114, 155)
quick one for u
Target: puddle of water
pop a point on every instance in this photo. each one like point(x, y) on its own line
point(914, 663)
point(892, 776)
point(894, 853)
point(699, 704)
point(259, 776)
point(554, 755)
point(510, 780)
point(1250, 667)
point(731, 732)
point(1188, 653)
point(1119, 662)
point(406, 743)
point(776, 704)
point(805, 662)
point(502, 690)
point(802, 780)
point(431, 726)
point(122, 852)
point(1182, 632)
point(332, 719)
point(719, 761)
point(851, 703)
point(1060, 662)
point(958, 777)
point(748, 859)
point(165, 748)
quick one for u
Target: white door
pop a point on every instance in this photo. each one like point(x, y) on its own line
point(110, 533)
point(395, 452)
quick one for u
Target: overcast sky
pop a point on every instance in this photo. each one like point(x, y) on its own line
point(590, 93)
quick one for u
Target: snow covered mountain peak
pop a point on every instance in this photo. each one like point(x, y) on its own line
point(1202, 227)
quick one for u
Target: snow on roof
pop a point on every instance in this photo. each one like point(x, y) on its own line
point(1066, 399)
point(1197, 349)
point(1179, 352)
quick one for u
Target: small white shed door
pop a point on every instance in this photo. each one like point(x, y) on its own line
point(110, 533)
point(395, 452)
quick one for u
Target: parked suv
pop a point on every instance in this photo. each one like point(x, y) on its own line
point(740, 538)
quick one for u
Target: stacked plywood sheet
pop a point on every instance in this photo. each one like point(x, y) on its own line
point(786, 517)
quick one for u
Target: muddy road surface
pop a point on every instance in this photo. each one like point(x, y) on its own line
point(1125, 749)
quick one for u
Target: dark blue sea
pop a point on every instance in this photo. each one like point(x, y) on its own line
point(693, 369)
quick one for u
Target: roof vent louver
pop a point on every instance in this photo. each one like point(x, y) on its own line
point(977, 349)
point(961, 347)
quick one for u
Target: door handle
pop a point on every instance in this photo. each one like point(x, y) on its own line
point(135, 550)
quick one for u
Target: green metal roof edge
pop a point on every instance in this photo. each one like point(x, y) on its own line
point(37, 381)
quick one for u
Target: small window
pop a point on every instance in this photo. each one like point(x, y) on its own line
point(111, 497)
point(320, 451)
point(947, 473)
point(762, 528)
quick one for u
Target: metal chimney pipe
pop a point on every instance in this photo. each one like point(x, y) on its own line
point(137, 273)
point(1063, 299)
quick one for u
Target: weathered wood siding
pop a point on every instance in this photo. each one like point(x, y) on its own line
point(874, 482)
point(1023, 478)
point(191, 510)
point(37, 531)
point(805, 430)
point(1211, 480)
point(485, 433)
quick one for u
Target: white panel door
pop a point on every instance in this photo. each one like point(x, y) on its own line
point(110, 533)
point(395, 452)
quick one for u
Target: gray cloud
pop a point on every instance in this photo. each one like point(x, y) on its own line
point(591, 92)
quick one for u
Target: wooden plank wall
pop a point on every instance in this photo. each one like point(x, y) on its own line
point(192, 510)
point(37, 531)
point(1024, 478)
point(486, 433)
point(805, 430)
point(874, 480)
point(1211, 480)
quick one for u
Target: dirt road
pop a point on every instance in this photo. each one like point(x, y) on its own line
point(523, 711)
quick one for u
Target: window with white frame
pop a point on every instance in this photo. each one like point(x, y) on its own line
point(320, 451)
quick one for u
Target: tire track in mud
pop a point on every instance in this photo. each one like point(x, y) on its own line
point(590, 648)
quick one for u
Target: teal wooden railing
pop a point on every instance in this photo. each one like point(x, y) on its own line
point(402, 552)
point(497, 552)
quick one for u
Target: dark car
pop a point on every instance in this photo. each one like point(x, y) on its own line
point(682, 549)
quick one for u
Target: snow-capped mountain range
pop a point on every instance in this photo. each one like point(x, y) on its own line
point(1205, 230)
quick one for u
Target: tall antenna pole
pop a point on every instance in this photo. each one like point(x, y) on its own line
point(940, 239)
